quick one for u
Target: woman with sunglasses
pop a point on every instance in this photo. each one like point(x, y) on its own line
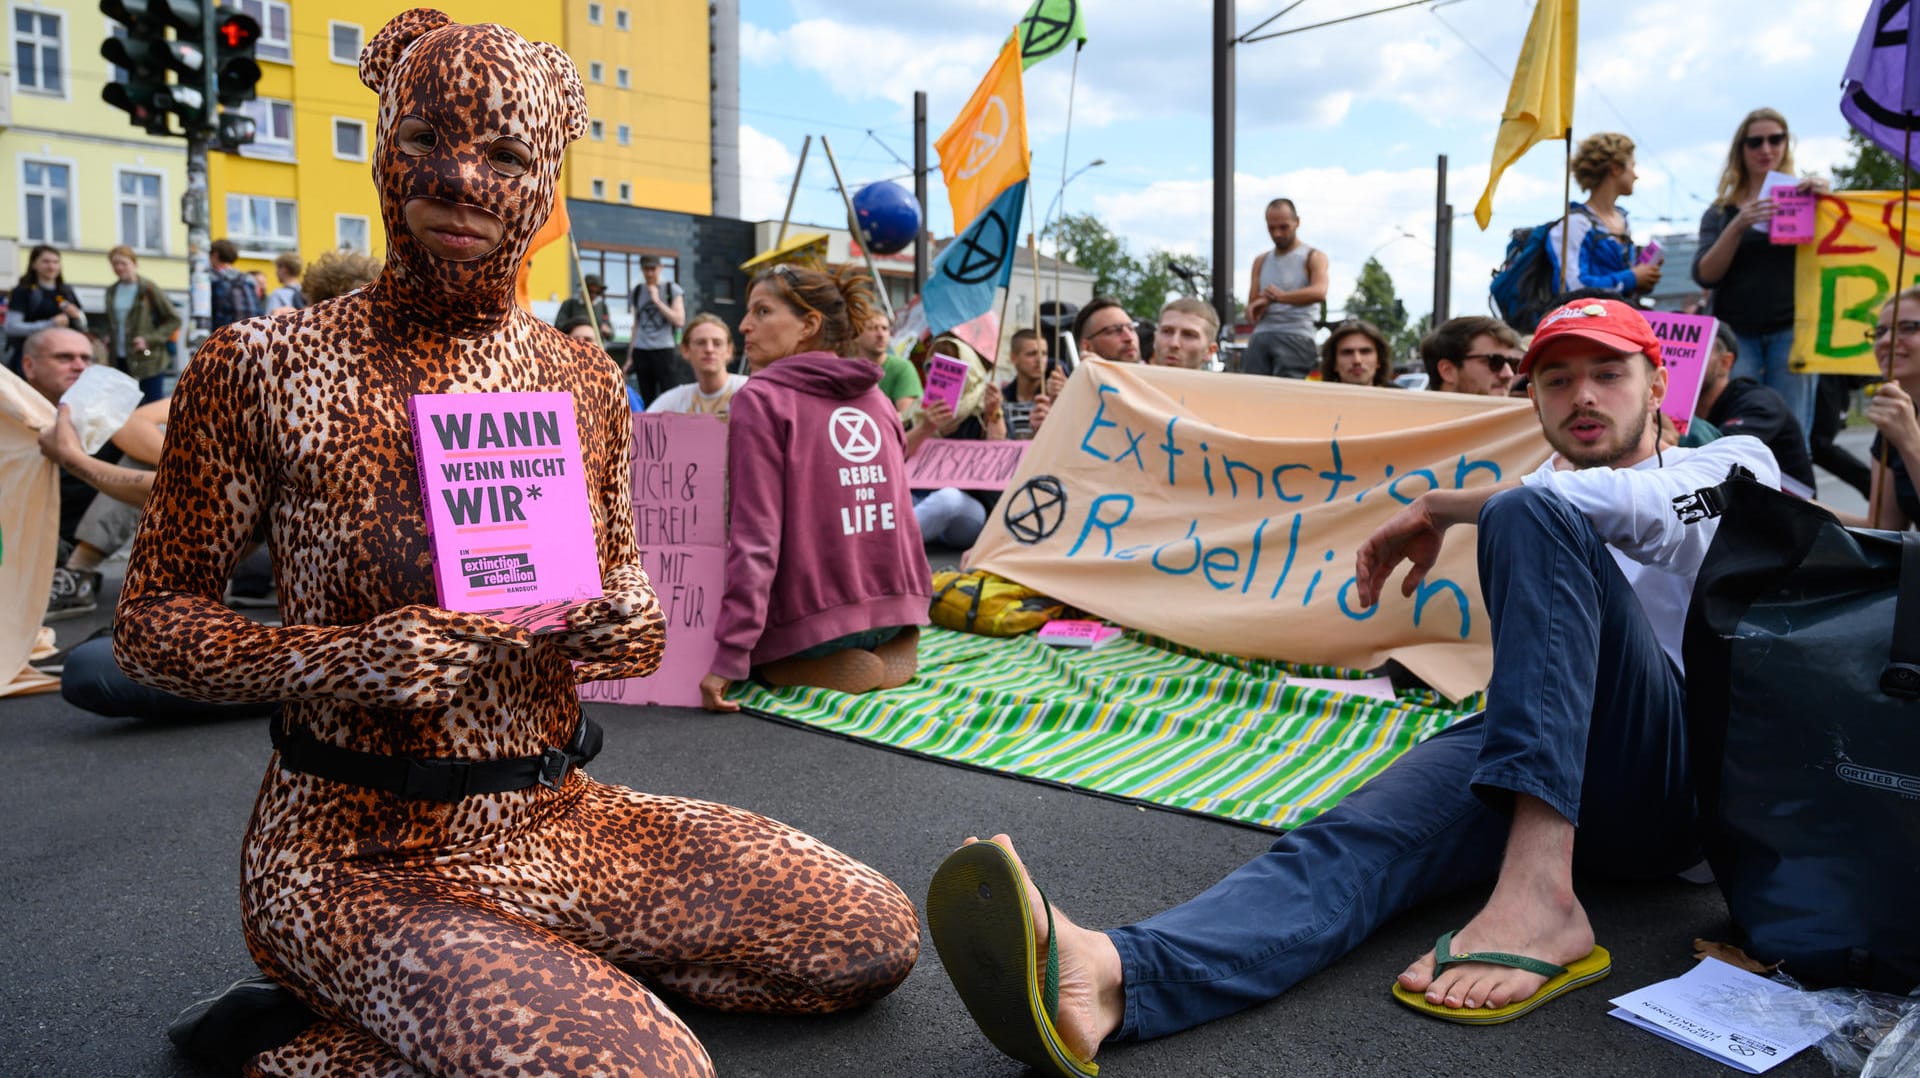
point(1896, 450)
point(1751, 277)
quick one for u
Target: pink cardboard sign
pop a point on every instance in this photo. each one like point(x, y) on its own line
point(1792, 221)
point(505, 504)
point(1686, 340)
point(968, 465)
point(689, 582)
point(946, 378)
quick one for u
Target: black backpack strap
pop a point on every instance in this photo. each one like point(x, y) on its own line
point(1901, 677)
point(432, 779)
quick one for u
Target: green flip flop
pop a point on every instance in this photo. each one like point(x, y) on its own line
point(1560, 980)
point(977, 914)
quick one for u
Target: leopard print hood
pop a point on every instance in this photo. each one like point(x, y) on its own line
point(478, 88)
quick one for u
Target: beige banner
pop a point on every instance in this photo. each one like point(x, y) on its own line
point(1846, 274)
point(1223, 511)
point(29, 529)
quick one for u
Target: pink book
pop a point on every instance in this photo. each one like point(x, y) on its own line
point(1078, 633)
point(506, 505)
point(1686, 341)
point(946, 377)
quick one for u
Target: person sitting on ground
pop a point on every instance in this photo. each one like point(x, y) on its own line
point(898, 379)
point(707, 345)
point(1187, 335)
point(1744, 406)
point(289, 296)
point(1587, 570)
point(1035, 384)
point(1105, 330)
point(1356, 354)
point(949, 516)
point(827, 582)
point(337, 273)
point(1474, 354)
point(496, 908)
point(1895, 456)
point(140, 322)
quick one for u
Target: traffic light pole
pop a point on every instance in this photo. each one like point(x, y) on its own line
point(195, 212)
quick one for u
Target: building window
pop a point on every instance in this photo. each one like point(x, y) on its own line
point(600, 189)
point(349, 139)
point(345, 43)
point(623, 78)
point(626, 192)
point(262, 226)
point(276, 29)
point(594, 15)
point(620, 18)
point(36, 51)
point(143, 224)
point(596, 72)
point(272, 128)
point(46, 202)
point(597, 130)
point(625, 133)
point(621, 270)
point(352, 232)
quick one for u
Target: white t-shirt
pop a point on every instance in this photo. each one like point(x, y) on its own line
point(687, 399)
point(1633, 510)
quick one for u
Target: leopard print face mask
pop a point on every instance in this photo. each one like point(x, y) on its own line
point(474, 122)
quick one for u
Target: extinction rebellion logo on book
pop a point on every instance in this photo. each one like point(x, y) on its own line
point(497, 570)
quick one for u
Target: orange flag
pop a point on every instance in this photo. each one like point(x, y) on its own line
point(557, 226)
point(984, 152)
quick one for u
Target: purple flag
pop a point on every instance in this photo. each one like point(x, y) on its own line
point(1881, 97)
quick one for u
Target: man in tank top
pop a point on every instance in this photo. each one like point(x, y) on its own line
point(1288, 283)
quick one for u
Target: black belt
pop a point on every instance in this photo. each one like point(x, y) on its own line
point(433, 779)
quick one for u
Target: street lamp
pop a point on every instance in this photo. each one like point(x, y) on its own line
point(1047, 218)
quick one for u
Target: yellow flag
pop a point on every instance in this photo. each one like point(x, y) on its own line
point(1540, 103)
point(984, 152)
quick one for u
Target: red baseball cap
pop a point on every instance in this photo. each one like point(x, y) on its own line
point(1606, 322)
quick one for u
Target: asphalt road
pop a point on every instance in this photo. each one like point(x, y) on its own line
point(121, 856)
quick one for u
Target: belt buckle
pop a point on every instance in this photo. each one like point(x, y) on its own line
point(554, 765)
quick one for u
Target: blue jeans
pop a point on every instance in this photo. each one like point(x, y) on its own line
point(1584, 711)
point(92, 681)
point(1763, 358)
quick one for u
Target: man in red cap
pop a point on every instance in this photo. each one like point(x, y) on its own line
point(1586, 566)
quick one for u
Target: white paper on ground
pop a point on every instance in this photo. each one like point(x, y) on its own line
point(1379, 688)
point(1698, 1009)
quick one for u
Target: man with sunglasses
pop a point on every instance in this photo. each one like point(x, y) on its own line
point(1475, 354)
point(1104, 328)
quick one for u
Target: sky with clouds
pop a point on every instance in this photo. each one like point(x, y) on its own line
point(1345, 120)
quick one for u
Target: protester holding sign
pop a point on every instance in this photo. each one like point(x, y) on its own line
point(950, 516)
point(827, 583)
point(1896, 449)
point(1751, 277)
point(430, 879)
point(1586, 568)
point(1596, 231)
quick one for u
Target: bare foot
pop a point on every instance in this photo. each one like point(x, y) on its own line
point(1540, 922)
point(1091, 1001)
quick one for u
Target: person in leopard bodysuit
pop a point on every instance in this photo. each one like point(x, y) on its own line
point(487, 934)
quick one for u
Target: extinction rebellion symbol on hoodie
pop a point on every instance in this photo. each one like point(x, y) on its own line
point(855, 436)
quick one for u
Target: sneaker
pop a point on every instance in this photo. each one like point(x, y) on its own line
point(254, 1014)
point(75, 592)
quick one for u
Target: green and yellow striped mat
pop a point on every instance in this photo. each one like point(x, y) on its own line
point(1139, 719)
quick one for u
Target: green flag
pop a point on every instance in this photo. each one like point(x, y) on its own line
point(1047, 27)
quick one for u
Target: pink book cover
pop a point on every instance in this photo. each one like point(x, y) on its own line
point(1793, 217)
point(1686, 340)
point(506, 505)
point(946, 377)
point(1078, 633)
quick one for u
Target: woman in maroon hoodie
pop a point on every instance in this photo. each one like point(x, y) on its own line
point(827, 580)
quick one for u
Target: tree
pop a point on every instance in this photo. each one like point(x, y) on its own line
point(1374, 300)
point(1165, 276)
point(1872, 168)
point(1081, 239)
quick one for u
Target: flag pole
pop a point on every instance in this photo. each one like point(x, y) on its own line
point(1066, 140)
point(580, 282)
point(1566, 214)
point(1899, 270)
point(1033, 252)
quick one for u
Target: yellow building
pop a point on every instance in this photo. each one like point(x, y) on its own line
point(73, 171)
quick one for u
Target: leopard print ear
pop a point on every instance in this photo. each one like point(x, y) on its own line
point(573, 95)
point(391, 43)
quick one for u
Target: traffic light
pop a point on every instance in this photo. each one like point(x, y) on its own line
point(142, 53)
point(236, 72)
point(210, 54)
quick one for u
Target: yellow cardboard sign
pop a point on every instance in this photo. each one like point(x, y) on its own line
point(1846, 274)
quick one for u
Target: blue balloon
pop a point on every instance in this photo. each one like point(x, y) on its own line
point(889, 216)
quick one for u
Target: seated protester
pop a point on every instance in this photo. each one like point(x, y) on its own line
point(1475, 354)
point(1356, 354)
point(707, 345)
point(1744, 406)
point(1895, 505)
point(1596, 230)
point(1187, 335)
point(950, 516)
point(827, 584)
point(898, 378)
point(1034, 385)
point(1104, 329)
